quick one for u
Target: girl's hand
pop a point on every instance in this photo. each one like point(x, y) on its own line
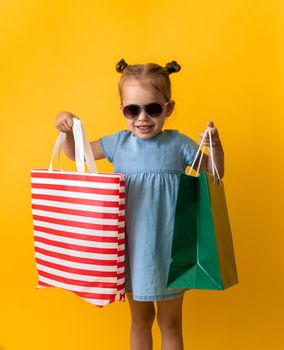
point(217, 152)
point(216, 142)
point(64, 121)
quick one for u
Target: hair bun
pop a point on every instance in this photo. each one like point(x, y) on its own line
point(172, 67)
point(121, 65)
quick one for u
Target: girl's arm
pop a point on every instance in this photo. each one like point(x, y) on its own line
point(218, 153)
point(64, 123)
point(97, 149)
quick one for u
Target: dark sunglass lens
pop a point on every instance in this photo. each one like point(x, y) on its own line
point(131, 111)
point(154, 109)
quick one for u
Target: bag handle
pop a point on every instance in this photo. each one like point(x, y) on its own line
point(214, 168)
point(82, 149)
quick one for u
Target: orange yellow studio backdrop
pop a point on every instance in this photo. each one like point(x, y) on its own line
point(61, 56)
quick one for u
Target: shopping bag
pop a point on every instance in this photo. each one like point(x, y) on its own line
point(202, 255)
point(79, 219)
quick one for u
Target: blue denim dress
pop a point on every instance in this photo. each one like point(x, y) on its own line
point(152, 170)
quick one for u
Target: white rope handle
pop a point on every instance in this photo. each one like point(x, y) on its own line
point(214, 167)
point(211, 153)
point(213, 164)
point(200, 160)
point(82, 148)
point(198, 151)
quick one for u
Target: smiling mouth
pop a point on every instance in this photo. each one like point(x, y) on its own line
point(144, 127)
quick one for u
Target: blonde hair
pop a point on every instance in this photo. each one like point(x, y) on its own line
point(151, 73)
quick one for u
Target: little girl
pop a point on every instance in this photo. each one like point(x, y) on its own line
point(152, 160)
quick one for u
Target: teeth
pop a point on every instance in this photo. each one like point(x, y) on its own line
point(144, 127)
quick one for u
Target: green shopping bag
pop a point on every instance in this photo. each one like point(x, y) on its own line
point(202, 254)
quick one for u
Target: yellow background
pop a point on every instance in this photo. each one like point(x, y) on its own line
point(60, 55)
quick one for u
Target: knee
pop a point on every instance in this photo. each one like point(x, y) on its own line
point(169, 323)
point(143, 320)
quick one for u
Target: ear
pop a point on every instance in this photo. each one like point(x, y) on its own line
point(170, 108)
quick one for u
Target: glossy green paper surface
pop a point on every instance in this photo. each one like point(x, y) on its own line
point(202, 248)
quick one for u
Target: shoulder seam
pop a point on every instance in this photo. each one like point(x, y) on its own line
point(117, 141)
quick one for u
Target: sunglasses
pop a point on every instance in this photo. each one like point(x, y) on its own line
point(153, 110)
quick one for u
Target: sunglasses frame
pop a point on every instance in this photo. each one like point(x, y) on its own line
point(122, 107)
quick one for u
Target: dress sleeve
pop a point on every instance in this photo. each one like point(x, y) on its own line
point(109, 144)
point(188, 149)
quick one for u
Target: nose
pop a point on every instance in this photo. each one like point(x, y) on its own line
point(143, 115)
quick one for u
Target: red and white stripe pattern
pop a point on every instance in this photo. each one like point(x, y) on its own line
point(79, 233)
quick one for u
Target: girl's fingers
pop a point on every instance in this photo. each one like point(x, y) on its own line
point(61, 128)
point(207, 144)
point(70, 122)
point(64, 121)
point(67, 125)
point(214, 135)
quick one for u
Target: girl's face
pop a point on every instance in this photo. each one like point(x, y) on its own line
point(143, 126)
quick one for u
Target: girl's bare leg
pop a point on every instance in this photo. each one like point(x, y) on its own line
point(142, 318)
point(169, 319)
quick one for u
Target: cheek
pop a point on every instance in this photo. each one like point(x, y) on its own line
point(130, 123)
point(162, 121)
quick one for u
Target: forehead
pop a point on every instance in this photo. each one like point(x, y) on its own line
point(139, 92)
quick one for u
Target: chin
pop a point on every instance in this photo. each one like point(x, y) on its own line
point(146, 136)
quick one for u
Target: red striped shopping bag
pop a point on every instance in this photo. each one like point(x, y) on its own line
point(79, 221)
